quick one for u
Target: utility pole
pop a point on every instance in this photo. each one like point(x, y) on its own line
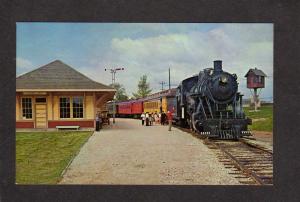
point(162, 85)
point(169, 79)
point(113, 80)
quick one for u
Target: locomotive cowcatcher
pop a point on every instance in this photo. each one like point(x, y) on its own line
point(210, 104)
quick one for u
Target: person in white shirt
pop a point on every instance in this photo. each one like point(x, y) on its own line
point(143, 116)
point(155, 118)
point(147, 119)
point(159, 118)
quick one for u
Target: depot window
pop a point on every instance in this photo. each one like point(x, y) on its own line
point(77, 107)
point(26, 108)
point(64, 107)
point(71, 107)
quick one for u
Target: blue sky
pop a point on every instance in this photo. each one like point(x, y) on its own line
point(148, 48)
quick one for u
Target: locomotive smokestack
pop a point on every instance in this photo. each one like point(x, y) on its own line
point(218, 65)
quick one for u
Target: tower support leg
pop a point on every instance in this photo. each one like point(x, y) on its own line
point(255, 99)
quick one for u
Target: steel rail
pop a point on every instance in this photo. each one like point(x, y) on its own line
point(240, 165)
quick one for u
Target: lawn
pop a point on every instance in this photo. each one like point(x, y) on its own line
point(42, 156)
point(262, 120)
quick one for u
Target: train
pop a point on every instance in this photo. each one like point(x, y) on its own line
point(208, 103)
point(162, 101)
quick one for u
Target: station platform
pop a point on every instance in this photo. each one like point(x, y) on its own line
point(129, 153)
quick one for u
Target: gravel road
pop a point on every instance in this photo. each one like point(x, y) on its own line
point(129, 153)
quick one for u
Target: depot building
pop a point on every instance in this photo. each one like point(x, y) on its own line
point(58, 95)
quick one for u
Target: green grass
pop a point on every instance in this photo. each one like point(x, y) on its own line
point(42, 156)
point(261, 120)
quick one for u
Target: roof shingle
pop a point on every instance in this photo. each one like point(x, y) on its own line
point(257, 72)
point(57, 75)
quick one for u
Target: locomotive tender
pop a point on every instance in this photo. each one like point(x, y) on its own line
point(210, 104)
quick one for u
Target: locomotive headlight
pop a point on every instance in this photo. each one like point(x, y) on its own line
point(223, 79)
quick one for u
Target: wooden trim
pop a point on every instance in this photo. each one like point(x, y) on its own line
point(84, 105)
point(25, 121)
point(24, 124)
point(52, 99)
point(65, 90)
point(94, 105)
point(20, 107)
point(70, 119)
point(81, 123)
point(68, 93)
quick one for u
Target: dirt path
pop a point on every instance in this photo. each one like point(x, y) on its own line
point(129, 153)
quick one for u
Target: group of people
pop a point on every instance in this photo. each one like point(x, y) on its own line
point(159, 118)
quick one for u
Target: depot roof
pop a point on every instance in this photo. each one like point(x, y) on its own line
point(58, 76)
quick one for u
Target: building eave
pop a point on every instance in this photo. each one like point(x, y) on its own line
point(66, 90)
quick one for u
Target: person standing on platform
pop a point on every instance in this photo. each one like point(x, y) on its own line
point(100, 122)
point(159, 118)
point(143, 116)
point(170, 118)
point(165, 119)
point(97, 122)
point(162, 120)
point(151, 119)
point(156, 117)
point(147, 119)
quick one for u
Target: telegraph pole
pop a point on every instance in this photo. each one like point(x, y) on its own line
point(162, 85)
point(113, 80)
point(169, 79)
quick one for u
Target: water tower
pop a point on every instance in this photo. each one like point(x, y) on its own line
point(255, 80)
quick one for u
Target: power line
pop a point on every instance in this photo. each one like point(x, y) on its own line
point(162, 85)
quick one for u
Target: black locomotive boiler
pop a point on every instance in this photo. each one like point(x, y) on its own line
point(210, 104)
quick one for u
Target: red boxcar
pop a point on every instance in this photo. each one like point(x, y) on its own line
point(124, 108)
point(137, 107)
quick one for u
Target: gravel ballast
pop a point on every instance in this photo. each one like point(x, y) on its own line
point(129, 153)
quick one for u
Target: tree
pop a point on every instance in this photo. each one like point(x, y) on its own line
point(143, 88)
point(121, 93)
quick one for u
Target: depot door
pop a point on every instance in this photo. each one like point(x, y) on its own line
point(40, 116)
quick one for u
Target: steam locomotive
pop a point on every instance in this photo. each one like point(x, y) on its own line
point(210, 104)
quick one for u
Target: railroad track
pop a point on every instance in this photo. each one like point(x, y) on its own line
point(255, 163)
point(250, 163)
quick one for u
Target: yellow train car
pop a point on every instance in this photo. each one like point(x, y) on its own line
point(159, 102)
point(164, 104)
point(158, 106)
point(152, 106)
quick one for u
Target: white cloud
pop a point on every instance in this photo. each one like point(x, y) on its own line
point(157, 47)
point(240, 46)
point(23, 65)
